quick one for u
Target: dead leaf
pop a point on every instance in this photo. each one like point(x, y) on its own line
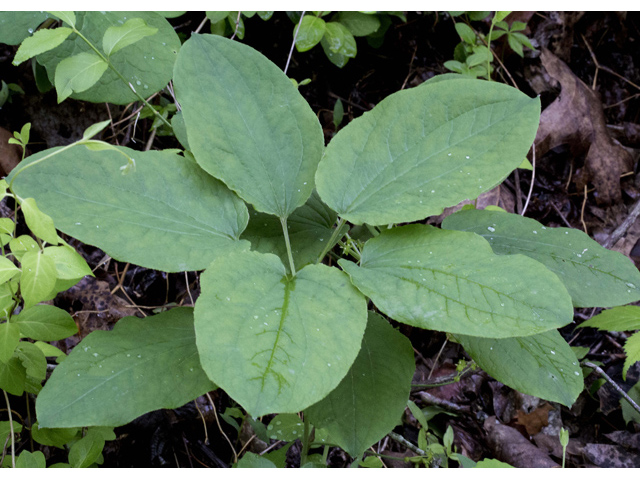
point(576, 118)
point(534, 422)
point(10, 154)
point(94, 306)
point(611, 456)
point(512, 447)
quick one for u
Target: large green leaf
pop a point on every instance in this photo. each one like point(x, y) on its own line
point(110, 378)
point(247, 124)
point(427, 148)
point(370, 400)
point(16, 26)
point(310, 228)
point(275, 343)
point(542, 365)
point(593, 275)
point(38, 277)
point(147, 65)
point(169, 214)
point(451, 281)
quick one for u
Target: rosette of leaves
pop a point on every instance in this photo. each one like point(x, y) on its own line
point(281, 332)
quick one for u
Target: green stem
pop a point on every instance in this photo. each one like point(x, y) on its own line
point(127, 82)
point(489, 48)
point(285, 230)
point(332, 240)
point(13, 443)
point(307, 441)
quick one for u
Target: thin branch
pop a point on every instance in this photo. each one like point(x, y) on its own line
point(293, 44)
point(237, 25)
point(403, 441)
point(624, 226)
point(533, 179)
point(613, 384)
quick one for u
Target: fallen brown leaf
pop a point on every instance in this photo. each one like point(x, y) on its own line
point(576, 118)
point(535, 421)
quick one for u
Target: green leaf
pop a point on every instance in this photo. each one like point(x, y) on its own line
point(54, 437)
point(619, 319)
point(147, 65)
point(310, 33)
point(69, 264)
point(50, 351)
point(451, 281)
point(526, 165)
point(338, 113)
point(39, 223)
point(110, 378)
point(340, 40)
point(139, 217)
point(95, 129)
point(371, 462)
point(521, 38)
point(480, 55)
point(171, 14)
point(5, 430)
point(359, 24)
point(16, 26)
point(310, 228)
point(251, 460)
point(117, 38)
point(492, 463)
point(180, 130)
point(632, 349)
point(593, 275)
point(266, 15)
point(38, 277)
point(87, 450)
point(78, 73)
point(28, 459)
point(215, 17)
point(426, 148)
point(477, 16)
point(515, 45)
point(370, 400)
point(7, 227)
point(629, 413)
point(12, 376)
point(541, 365)
point(496, 34)
point(41, 41)
point(46, 323)
point(261, 137)
point(33, 360)
point(9, 339)
point(418, 415)
point(499, 16)
point(286, 427)
point(6, 298)
point(275, 343)
point(7, 269)
point(466, 33)
point(68, 17)
point(21, 245)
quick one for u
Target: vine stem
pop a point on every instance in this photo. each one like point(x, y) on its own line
point(332, 240)
point(285, 231)
point(295, 37)
point(105, 59)
point(13, 442)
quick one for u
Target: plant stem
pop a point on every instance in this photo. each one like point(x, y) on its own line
point(307, 441)
point(285, 230)
point(140, 97)
point(403, 441)
point(332, 240)
point(13, 443)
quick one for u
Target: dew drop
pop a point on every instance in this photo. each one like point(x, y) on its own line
point(295, 432)
point(30, 30)
point(191, 369)
point(433, 191)
point(535, 232)
point(328, 364)
point(631, 285)
point(138, 82)
point(128, 354)
point(139, 356)
point(491, 229)
point(255, 316)
point(228, 299)
point(448, 154)
point(467, 157)
point(576, 373)
point(78, 223)
point(95, 354)
point(552, 352)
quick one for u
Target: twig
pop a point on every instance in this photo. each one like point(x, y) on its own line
point(584, 203)
point(624, 226)
point(237, 25)
point(564, 219)
point(613, 384)
point(403, 441)
point(349, 102)
point(202, 24)
point(413, 57)
point(435, 362)
point(439, 402)
point(293, 44)
point(533, 179)
point(215, 413)
point(204, 423)
point(121, 279)
point(606, 69)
